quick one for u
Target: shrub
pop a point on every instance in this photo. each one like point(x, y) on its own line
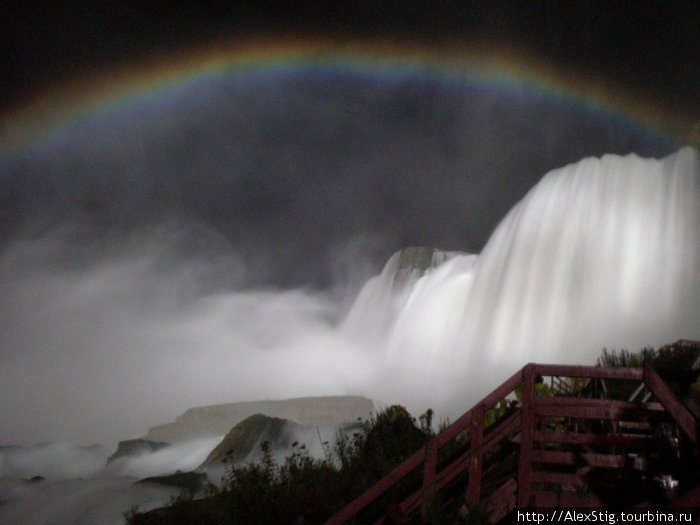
point(303, 489)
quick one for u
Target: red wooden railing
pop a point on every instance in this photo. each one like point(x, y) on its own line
point(533, 417)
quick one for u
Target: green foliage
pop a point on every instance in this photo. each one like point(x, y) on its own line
point(673, 363)
point(677, 357)
point(390, 438)
point(131, 514)
point(426, 423)
point(303, 489)
point(624, 358)
point(496, 413)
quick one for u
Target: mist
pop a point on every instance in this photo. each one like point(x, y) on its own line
point(122, 344)
point(138, 332)
point(102, 500)
point(602, 253)
point(204, 243)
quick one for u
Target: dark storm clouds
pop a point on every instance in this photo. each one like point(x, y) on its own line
point(291, 169)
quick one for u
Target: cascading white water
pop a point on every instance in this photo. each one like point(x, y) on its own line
point(602, 253)
point(385, 297)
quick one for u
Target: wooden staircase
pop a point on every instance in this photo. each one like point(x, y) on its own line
point(549, 436)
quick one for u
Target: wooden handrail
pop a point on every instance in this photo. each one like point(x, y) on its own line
point(454, 469)
point(417, 459)
point(527, 437)
point(379, 488)
point(462, 424)
point(678, 411)
point(592, 372)
point(520, 425)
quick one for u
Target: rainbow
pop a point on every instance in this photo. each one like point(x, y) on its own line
point(49, 114)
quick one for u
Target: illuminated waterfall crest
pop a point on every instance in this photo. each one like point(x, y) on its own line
point(601, 253)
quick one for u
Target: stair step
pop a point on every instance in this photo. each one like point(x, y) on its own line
point(616, 461)
point(635, 425)
point(502, 501)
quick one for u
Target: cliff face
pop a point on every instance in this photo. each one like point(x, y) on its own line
point(135, 447)
point(217, 420)
point(411, 263)
point(243, 439)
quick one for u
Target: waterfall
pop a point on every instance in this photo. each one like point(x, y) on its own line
point(601, 253)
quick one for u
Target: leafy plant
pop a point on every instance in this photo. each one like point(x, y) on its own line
point(303, 489)
point(624, 358)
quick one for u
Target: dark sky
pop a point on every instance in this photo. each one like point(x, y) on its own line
point(485, 151)
point(653, 43)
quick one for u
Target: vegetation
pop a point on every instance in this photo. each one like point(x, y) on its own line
point(624, 358)
point(241, 440)
point(304, 489)
point(676, 357)
point(674, 363)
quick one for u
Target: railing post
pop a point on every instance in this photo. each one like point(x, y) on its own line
point(477, 460)
point(429, 476)
point(683, 417)
point(528, 424)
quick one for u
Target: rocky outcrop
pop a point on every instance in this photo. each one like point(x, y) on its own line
point(35, 479)
point(136, 447)
point(192, 482)
point(244, 439)
point(217, 420)
point(414, 261)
